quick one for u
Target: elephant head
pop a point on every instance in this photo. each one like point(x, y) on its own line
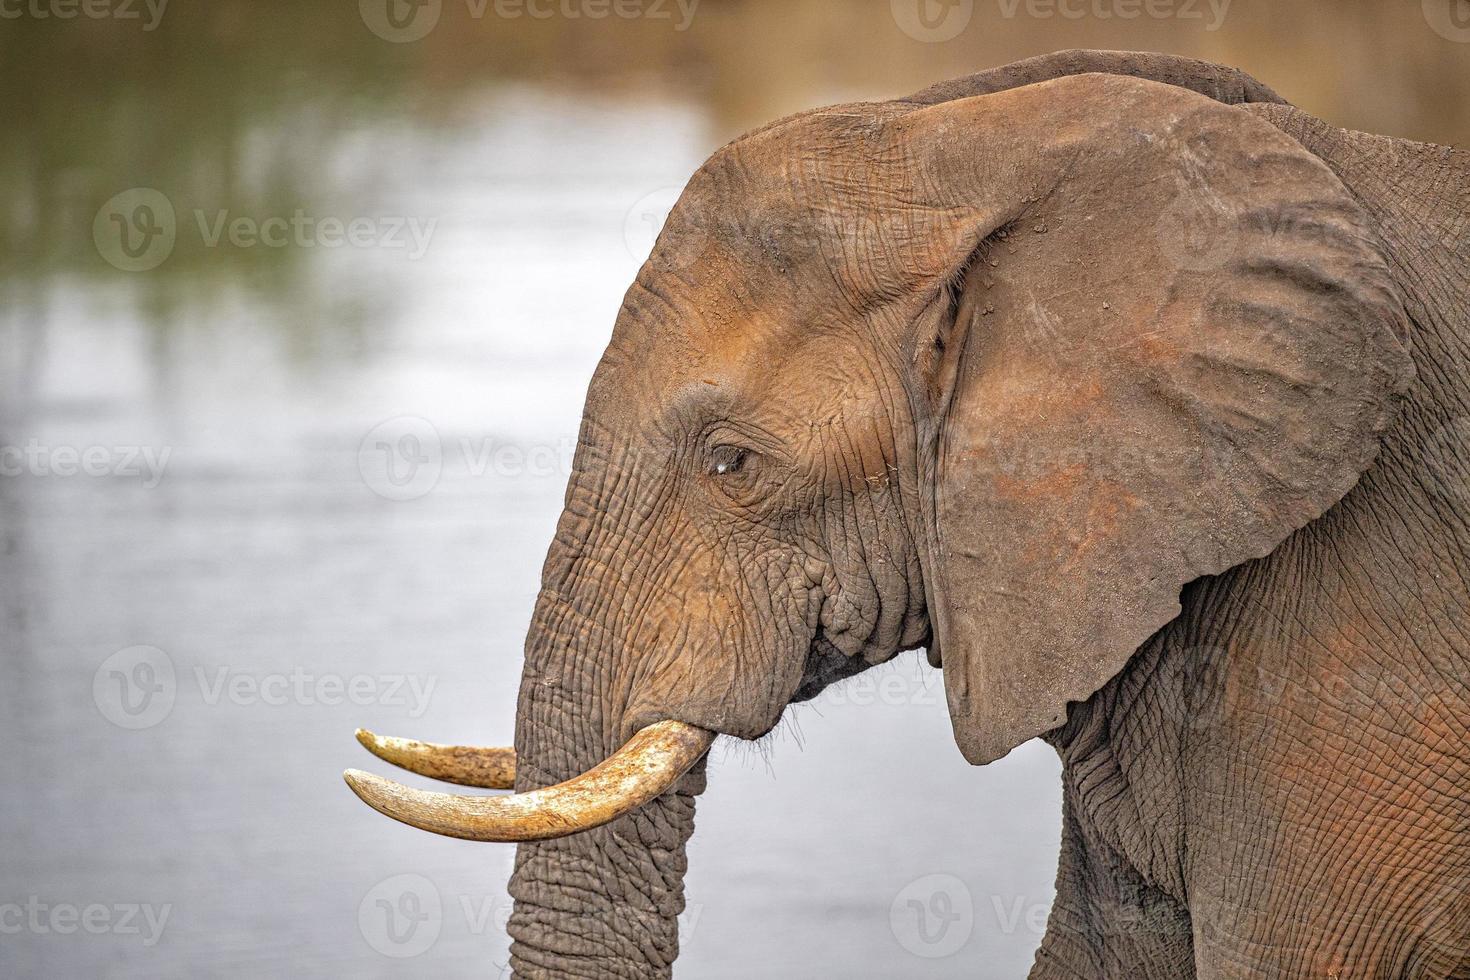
point(950, 373)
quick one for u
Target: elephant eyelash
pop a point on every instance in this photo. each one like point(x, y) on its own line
point(728, 460)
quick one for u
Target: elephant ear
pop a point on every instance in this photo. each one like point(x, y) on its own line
point(1160, 340)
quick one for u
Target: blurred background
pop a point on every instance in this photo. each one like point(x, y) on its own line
point(297, 306)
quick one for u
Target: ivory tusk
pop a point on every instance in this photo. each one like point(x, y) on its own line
point(643, 769)
point(465, 765)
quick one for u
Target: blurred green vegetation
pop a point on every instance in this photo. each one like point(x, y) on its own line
point(238, 103)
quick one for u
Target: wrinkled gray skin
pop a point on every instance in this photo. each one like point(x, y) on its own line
point(799, 457)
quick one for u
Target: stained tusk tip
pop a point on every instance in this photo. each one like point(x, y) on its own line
point(484, 767)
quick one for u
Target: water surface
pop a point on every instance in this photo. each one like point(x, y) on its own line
point(286, 482)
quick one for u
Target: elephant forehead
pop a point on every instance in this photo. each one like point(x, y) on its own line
point(713, 349)
point(789, 197)
point(747, 293)
point(768, 366)
point(759, 233)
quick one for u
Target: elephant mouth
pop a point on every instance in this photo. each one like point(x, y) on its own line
point(654, 761)
point(825, 666)
point(648, 765)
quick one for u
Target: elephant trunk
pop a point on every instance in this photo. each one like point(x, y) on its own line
point(603, 902)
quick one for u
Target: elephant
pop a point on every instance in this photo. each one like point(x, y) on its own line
point(1136, 397)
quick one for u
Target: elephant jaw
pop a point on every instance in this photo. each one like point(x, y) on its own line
point(646, 767)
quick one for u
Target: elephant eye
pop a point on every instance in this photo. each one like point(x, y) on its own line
point(727, 460)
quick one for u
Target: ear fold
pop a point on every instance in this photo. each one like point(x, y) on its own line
point(1162, 341)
